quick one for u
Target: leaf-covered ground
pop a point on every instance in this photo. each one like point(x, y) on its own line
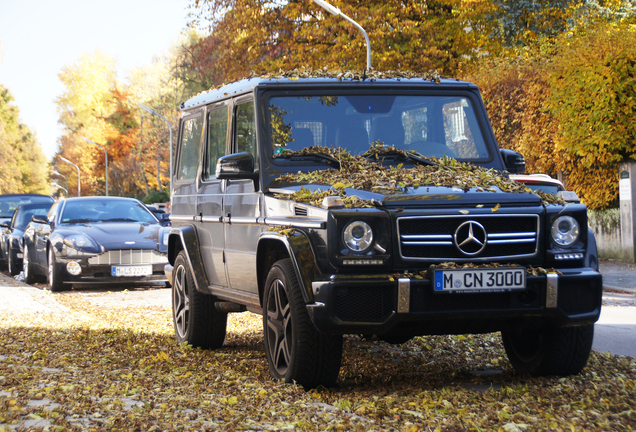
point(115, 366)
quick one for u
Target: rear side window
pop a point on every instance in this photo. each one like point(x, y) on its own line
point(190, 148)
point(217, 138)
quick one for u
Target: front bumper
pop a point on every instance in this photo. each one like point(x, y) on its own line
point(102, 274)
point(386, 304)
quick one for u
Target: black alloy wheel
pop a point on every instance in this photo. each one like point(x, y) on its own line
point(196, 320)
point(54, 279)
point(295, 350)
point(29, 274)
point(13, 267)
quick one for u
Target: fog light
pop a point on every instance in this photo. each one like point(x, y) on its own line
point(568, 256)
point(73, 268)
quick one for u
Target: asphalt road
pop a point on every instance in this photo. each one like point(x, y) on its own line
point(615, 332)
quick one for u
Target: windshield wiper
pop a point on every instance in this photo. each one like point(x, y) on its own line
point(119, 220)
point(76, 221)
point(403, 155)
point(315, 157)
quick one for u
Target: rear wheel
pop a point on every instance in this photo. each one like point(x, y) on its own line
point(54, 279)
point(295, 350)
point(29, 275)
point(196, 320)
point(549, 350)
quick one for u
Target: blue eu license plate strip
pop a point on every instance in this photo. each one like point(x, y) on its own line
point(480, 280)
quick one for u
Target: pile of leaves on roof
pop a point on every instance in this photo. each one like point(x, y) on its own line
point(108, 361)
point(366, 172)
point(353, 75)
point(342, 75)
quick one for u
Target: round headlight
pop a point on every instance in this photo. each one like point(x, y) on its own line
point(76, 241)
point(565, 231)
point(358, 236)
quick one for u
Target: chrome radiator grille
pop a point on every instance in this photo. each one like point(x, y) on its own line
point(129, 256)
point(434, 237)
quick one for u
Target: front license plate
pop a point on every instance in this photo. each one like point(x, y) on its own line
point(480, 280)
point(144, 270)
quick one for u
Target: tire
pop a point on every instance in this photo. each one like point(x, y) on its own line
point(548, 350)
point(54, 279)
point(295, 350)
point(196, 320)
point(13, 268)
point(3, 263)
point(27, 266)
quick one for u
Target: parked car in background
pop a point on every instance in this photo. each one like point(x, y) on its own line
point(11, 251)
point(161, 214)
point(10, 202)
point(92, 240)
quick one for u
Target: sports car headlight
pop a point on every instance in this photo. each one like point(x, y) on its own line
point(79, 241)
point(358, 236)
point(565, 231)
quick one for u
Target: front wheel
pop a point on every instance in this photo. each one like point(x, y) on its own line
point(196, 320)
point(54, 279)
point(295, 350)
point(29, 274)
point(549, 350)
point(13, 267)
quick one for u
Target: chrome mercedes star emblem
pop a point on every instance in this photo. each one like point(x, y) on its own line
point(470, 237)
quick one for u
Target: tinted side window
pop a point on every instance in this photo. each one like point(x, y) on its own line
point(217, 137)
point(190, 148)
point(246, 130)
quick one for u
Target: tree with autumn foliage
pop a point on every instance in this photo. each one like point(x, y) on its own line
point(261, 35)
point(23, 166)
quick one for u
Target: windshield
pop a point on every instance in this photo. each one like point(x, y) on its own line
point(107, 210)
point(8, 204)
point(433, 126)
point(23, 216)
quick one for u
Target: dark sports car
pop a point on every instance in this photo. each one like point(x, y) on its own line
point(10, 202)
point(11, 251)
point(91, 240)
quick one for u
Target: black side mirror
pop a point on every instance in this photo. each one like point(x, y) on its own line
point(164, 219)
point(236, 166)
point(514, 161)
point(40, 219)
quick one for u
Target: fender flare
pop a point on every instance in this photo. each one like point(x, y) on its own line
point(185, 238)
point(299, 249)
point(591, 251)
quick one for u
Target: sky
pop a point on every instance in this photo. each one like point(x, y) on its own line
point(39, 37)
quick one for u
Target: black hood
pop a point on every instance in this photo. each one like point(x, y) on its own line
point(118, 235)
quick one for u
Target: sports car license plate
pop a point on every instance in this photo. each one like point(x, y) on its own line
point(144, 270)
point(479, 280)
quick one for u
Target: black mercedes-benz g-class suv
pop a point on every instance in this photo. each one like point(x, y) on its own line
point(345, 204)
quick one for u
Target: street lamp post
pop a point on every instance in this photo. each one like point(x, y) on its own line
point(59, 186)
point(78, 175)
point(335, 11)
point(105, 157)
point(61, 175)
point(169, 127)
